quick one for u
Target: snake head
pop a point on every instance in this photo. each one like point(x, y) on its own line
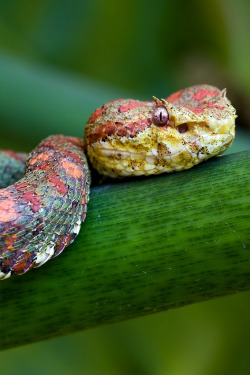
point(130, 137)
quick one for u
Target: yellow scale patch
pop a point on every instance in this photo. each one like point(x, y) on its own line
point(210, 124)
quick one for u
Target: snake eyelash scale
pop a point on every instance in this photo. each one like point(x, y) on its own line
point(41, 213)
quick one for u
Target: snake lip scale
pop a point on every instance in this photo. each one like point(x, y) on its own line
point(41, 213)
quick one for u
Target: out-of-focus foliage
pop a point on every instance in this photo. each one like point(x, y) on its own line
point(146, 48)
point(140, 45)
point(141, 48)
point(208, 338)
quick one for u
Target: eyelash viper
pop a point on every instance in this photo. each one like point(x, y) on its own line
point(41, 213)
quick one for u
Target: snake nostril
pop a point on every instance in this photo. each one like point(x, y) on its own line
point(183, 128)
point(160, 116)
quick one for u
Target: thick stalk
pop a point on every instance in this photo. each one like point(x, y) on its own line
point(147, 245)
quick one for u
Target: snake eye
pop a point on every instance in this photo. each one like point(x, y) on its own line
point(160, 116)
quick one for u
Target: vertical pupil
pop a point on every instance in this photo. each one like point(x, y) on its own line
point(160, 116)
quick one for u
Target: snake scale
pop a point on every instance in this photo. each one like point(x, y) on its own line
point(41, 213)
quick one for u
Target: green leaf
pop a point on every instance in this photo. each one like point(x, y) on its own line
point(147, 245)
point(39, 101)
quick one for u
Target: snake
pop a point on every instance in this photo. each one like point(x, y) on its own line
point(44, 196)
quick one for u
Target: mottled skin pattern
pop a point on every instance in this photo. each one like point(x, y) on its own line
point(122, 140)
point(11, 167)
point(41, 213)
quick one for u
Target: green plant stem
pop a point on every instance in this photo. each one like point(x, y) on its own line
point(147, 245)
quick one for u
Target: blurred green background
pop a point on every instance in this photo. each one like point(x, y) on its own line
point(59, 60)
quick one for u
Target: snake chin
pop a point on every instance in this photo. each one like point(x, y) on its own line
point(158, 151)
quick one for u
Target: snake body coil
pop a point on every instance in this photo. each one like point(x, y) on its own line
point(41, 213)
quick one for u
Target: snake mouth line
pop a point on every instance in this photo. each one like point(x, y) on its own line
point(107, 151)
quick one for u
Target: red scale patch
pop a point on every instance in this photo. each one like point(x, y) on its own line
point(196, 110)
point(8, 209)
point(213, 105)
point(203, 93)
point(23, 264)
point(58, 184)
point(111, 128)
point(31, 198)
point(22, 185)
point(65, 240)
point(131, 104)
point(132, 128)
point(9, 241)
point(73, 156)
point(175, 96)
point(98, 113)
